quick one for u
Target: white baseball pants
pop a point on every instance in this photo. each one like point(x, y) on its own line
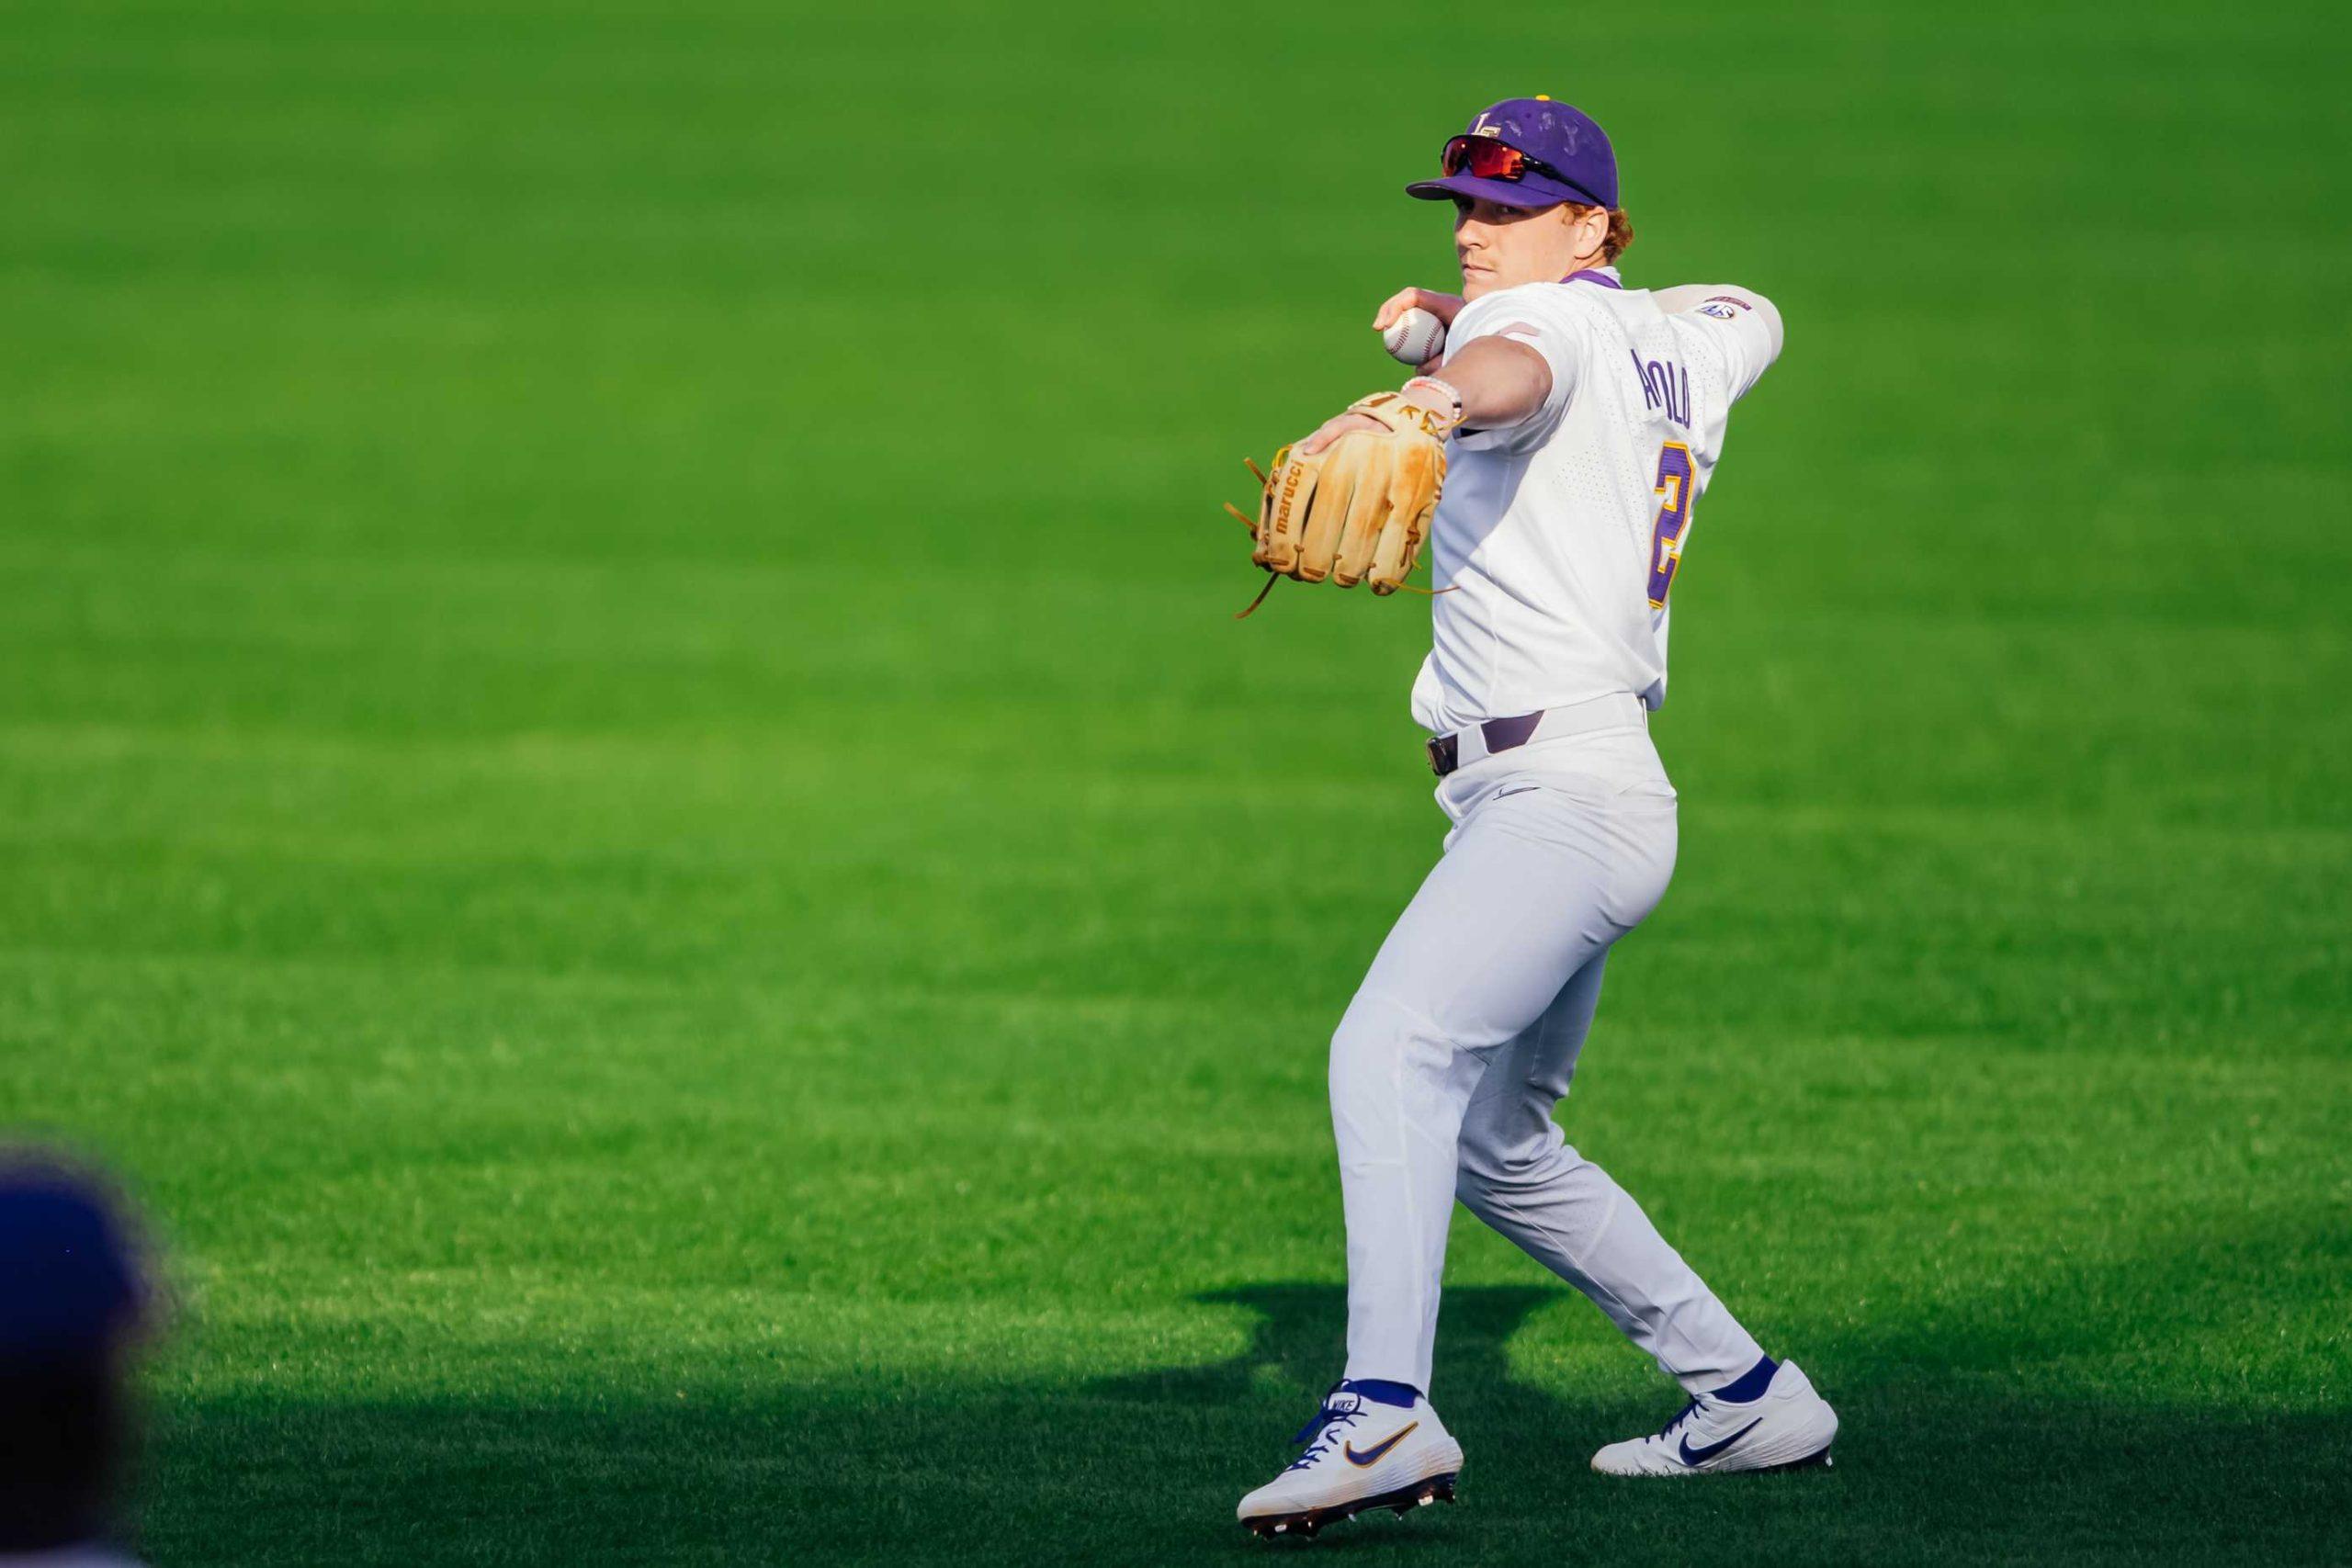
point(1464, 1034)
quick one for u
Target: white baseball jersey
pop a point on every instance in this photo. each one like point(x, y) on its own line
point(1559, 535)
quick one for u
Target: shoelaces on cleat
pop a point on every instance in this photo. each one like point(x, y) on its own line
point(1663, 1433)
point(1319, 1433)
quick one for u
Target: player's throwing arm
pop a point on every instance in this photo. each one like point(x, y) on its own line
point(1352, 502)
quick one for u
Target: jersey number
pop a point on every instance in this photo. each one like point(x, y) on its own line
point(1674, 474)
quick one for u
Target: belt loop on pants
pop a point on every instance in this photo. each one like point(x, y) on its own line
point(1463, 747)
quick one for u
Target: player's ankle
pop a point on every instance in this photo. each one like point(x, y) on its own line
point(1402, 1395)
point(1749, 1386)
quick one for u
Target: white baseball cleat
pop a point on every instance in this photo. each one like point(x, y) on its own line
point(1786, 1426)
point(1362, 1453)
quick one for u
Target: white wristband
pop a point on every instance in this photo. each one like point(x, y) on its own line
point(1446, 389)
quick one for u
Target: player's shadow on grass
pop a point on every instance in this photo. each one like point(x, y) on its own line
point(1935, 1467)
point(1145, 1468)
point(1298, 1345)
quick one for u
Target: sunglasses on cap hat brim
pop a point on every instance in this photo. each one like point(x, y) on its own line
point(1471, 161)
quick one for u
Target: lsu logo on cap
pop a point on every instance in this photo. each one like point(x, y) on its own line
point(1486, 126)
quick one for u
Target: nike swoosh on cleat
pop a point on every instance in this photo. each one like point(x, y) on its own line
point(1373, 1453)
point(1706, 1451)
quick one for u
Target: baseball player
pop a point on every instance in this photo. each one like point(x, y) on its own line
point(1579, 420)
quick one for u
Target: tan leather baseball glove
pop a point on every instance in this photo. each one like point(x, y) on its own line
point(1358, 510)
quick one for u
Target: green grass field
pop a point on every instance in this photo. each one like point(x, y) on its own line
point(628, 800)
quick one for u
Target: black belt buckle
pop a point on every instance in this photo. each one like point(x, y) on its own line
point(1444, 754)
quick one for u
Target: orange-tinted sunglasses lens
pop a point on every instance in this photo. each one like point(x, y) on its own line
point(1484, 157)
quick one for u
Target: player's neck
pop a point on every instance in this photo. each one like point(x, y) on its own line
point(1561, 269)
point(1550, 271)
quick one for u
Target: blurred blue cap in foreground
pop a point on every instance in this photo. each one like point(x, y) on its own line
point(70, 1281)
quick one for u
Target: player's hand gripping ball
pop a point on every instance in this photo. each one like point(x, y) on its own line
point(1416, 337)
point(1358, 509)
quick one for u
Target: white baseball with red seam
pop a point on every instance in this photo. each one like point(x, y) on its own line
point(1416, 337)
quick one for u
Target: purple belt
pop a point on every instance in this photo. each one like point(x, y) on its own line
point(1500, 735)
point(1618, 710)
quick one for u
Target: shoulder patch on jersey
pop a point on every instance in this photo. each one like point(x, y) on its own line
point(1526, 332)
point(1720, 312)
point(1728, 300)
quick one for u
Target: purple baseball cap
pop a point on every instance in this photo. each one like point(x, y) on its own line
point(1581, 166)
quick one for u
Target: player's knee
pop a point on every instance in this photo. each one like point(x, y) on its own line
point(1373, 1035)
point(1484, 1181)
point(1491, 1160)
point(1481, 1168)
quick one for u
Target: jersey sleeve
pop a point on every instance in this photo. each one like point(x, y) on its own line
point(1740, 325)
point(1552, 333)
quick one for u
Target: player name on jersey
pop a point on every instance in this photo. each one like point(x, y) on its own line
point(1659, 387)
